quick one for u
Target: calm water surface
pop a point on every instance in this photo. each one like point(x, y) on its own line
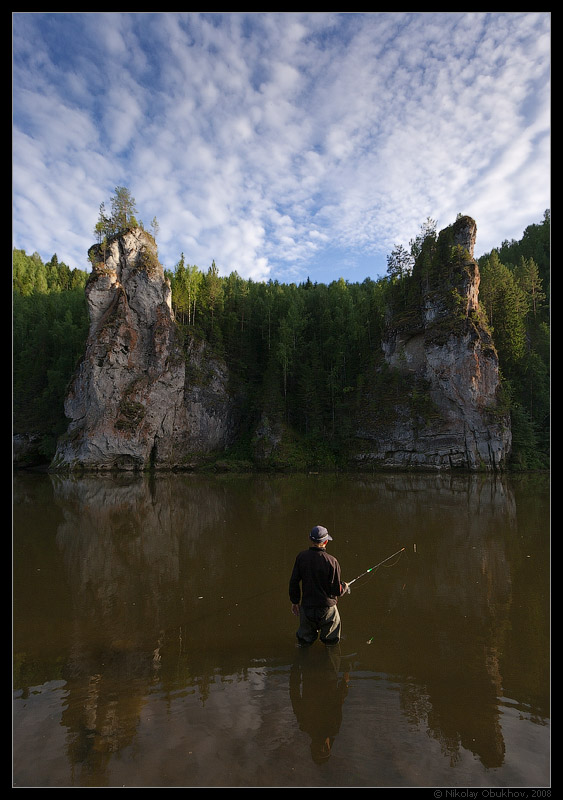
point(154, 643)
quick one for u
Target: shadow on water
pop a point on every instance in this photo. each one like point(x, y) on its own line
point(154, 644)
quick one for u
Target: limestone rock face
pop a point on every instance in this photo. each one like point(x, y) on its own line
point(131, 404)
point(445, 353)
point(143, 398)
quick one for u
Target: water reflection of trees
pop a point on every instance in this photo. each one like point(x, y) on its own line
point(139, 554)
point(449, 614)
point(167, 586)
point(131, 553)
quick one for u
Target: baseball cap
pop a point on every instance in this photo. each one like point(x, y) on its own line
point(319, 534)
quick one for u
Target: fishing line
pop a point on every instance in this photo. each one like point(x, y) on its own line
point(398, 553)
point(371, 569)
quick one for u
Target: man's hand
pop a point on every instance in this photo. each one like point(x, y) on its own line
point(346, 588)
point(295, 609)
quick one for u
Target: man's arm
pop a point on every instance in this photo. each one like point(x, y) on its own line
point(339, 586)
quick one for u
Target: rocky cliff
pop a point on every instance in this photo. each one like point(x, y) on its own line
point(133, 403)
point(449, 411)
point(144, 398)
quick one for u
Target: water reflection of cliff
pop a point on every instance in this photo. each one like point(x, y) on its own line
point(132, 555)
point(170, 581)
point(446, 618)
point(175, 580)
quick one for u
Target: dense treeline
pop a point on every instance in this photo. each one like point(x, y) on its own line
point(301, 355)
point(50, 326)
point(298, 353)
point(514, 292)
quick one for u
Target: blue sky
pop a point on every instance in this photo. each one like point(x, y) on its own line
point(282, 145)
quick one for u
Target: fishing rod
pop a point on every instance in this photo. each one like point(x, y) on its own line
point(371, 569)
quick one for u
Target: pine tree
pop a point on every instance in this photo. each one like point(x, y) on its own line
point(123, 209)
point(122, 216)
point(528, 276)
point(399, 263)
point(506, 308)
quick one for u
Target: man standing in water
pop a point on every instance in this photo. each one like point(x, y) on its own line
point(314, 588)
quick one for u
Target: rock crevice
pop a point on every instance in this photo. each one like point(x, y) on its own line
point(143, 398)
point(131, 403)
point(448, 349)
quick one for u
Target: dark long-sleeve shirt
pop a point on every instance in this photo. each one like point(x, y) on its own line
point(315, 580)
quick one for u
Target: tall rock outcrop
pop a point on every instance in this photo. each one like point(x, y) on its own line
point(448, 412)
point(133, 403)
point(144, 398)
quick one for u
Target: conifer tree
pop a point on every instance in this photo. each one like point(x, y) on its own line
point(122, 216)
point(528, 276)
point(123, 209)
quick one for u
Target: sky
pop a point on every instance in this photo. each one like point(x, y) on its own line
point(281, 145)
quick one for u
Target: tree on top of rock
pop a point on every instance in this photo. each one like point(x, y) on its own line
point(122, 215)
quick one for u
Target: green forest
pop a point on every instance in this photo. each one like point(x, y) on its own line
point(300, 354)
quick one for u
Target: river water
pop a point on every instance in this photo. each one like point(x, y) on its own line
point(154, 644)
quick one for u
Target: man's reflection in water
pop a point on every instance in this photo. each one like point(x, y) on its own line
point(317, 693)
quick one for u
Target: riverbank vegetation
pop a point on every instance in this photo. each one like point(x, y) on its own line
point(301, 354)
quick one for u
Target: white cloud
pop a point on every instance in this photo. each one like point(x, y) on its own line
point(267, 141)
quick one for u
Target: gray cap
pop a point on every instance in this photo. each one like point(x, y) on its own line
point(319, 534)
